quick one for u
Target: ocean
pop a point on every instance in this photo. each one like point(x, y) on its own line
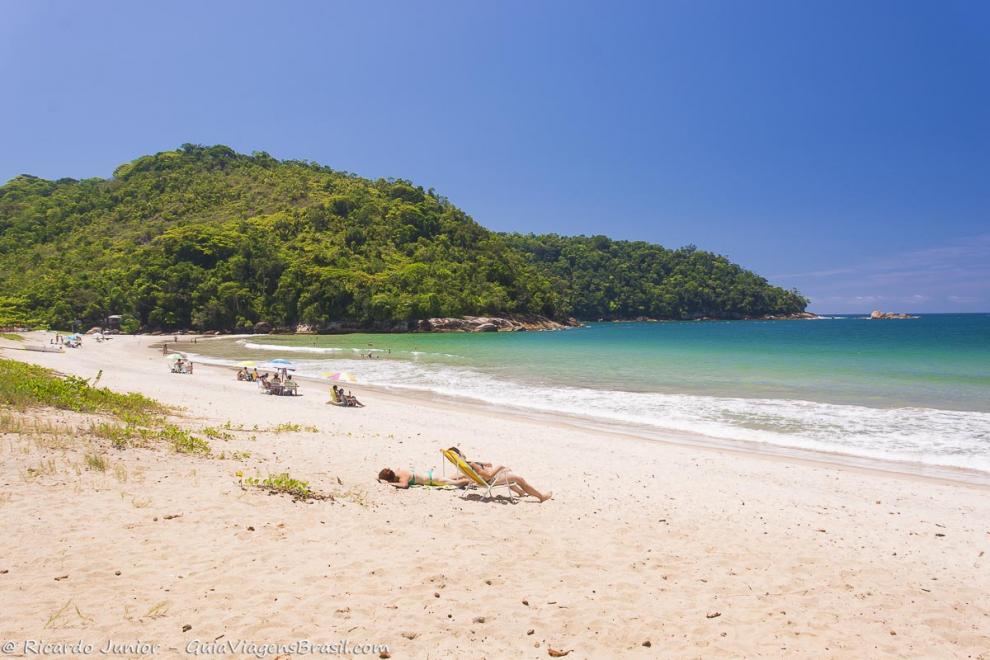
point(914, 390)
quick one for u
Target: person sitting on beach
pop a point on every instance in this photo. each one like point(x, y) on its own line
point(242, 374)
point(352, 400)
point(254, 375)
point(405, 479)
point(504, 475)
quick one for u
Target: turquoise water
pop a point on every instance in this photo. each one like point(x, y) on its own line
point(915, 390)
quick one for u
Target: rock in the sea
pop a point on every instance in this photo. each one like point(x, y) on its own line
point(304, 329)
point(878, 315)
point(262, 328)
point(513, 323)
point(796, 316)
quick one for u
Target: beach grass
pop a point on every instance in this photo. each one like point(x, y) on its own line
point(292, 427)
point(142, 420)
point(96, 462)
point(24, 386)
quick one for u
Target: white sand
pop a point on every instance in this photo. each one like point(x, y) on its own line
point(643, 541)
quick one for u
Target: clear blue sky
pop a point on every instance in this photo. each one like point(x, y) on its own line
point(842, 148)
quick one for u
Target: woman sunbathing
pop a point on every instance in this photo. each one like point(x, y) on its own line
point(503, 475)
point(405, 479)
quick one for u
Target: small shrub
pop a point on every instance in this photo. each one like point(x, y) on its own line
point(214, 433)
point(182, 441)
point(287, 427)
point(282, 483)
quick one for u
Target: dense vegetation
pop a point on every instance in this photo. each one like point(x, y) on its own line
point(206, 238)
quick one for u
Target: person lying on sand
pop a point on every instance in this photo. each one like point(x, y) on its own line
point(352, 400)
point(504, 475)
point(405, 479)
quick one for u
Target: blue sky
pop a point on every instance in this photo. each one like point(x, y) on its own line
point(842, 148)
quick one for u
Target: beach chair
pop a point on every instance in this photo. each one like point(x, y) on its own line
point(473, 475)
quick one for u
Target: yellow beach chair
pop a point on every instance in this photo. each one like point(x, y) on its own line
point(473, 475)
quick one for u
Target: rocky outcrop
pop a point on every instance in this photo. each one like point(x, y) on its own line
point(876, 315)
point(262, 328)
point(513, 323)
point(790, 317)
point(304, 329)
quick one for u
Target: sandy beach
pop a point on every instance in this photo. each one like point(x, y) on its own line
point(647, 549)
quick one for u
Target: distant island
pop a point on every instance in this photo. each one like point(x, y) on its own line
point(877, 315)
point(208, 239)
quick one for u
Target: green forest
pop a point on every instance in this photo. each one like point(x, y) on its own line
point(206, 238)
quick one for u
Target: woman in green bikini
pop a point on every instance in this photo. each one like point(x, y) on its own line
point(405, 479)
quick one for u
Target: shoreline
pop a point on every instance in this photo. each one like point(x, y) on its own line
point(645, 433)
point(651, 433)
point(210, 334)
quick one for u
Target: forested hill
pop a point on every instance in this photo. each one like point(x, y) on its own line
point(206, 238)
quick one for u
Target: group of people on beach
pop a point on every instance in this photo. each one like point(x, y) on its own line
point(71, 341)
point(249, 376)
point(278, 383)
point(492, 474)
point(182, 366)
point(339, 398)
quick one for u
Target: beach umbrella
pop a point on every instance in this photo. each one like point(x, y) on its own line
point(282, 361)
point(285, 364)
point(172, 357)
point(340, 376)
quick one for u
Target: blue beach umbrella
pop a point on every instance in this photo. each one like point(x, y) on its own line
point(280, 363)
